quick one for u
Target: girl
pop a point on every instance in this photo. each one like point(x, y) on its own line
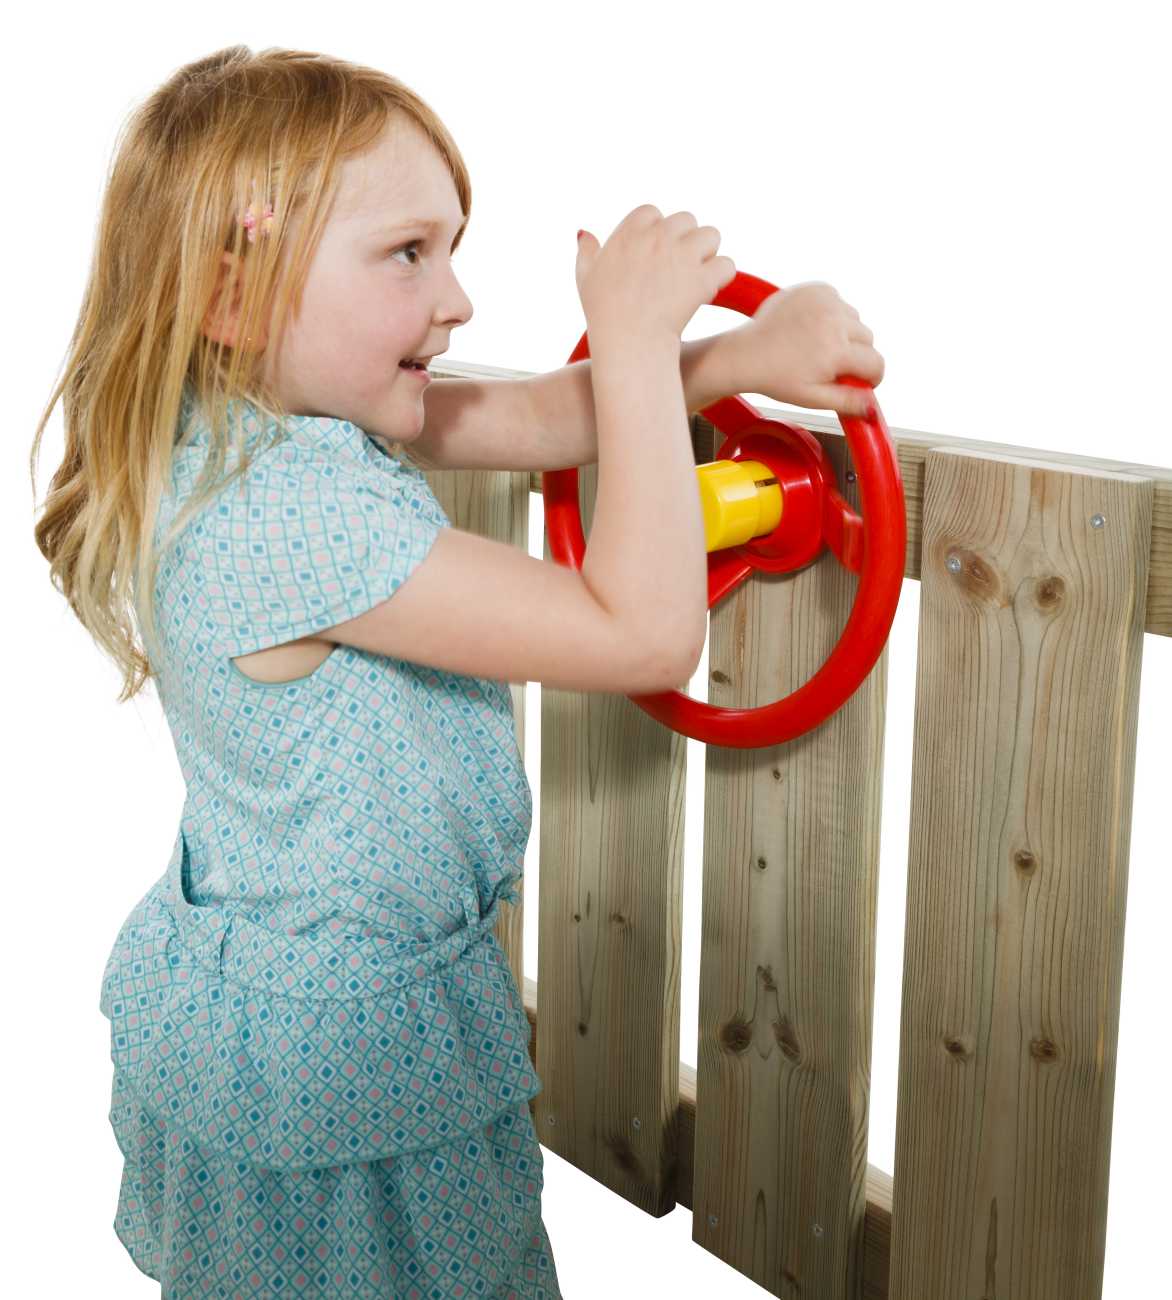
point(321, 1080)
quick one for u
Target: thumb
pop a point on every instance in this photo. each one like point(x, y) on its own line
point(842, 399)
point(587, 249)
point(849, 400)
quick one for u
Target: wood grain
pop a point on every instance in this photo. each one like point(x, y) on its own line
point(791, 860)
point(1027, 695)
point(1025, 731)
point(612, 840)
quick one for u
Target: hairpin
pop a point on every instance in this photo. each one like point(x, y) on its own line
point(251, 220)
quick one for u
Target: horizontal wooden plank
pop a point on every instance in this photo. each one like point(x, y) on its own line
point(876, 1224)
point(913, 445)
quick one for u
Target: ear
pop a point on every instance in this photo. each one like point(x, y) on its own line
point(222, 322)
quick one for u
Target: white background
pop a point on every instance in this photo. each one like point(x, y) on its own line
point(983, 183)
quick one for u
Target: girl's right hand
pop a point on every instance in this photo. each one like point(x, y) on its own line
point(650, 276)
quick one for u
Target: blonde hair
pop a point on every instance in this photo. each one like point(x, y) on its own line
point(222, 132)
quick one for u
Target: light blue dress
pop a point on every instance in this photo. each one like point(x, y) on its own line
point(321, 1070)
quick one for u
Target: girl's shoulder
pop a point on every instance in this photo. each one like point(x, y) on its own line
point(302, 455)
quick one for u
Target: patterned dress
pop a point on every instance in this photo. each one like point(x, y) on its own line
point(321, 1071)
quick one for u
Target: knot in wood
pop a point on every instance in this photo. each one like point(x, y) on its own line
point(1025, 862)
point(1043, 1050)
point(735, 1035)
point(624, 1157)
point(977, 577)
point(1050, 592)
point(957, 1047)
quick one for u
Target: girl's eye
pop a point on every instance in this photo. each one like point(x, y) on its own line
point(415, 243)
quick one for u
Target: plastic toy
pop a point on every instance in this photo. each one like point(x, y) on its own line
point(770, 502)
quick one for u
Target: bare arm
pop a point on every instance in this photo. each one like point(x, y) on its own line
point(546, 421)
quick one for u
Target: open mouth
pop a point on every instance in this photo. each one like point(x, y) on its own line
point(408, 364)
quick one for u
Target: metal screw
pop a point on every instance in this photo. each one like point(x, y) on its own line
point(850, 476)
point(817, 1230)
point(712, 1220)
point(1097, 521)
point(952, 564)
point(637, 1122)
point(549, 1119)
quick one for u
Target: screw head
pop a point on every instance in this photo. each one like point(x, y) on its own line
point(817, 1230)
point(850, 476)
point(1097, 521)
point(637, 1122)
point(712, 1220)
point(952, 564)
point(549, 1119)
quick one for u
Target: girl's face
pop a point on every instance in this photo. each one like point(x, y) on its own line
point(380, 288)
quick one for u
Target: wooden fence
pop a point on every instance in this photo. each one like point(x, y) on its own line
point(1040, 574)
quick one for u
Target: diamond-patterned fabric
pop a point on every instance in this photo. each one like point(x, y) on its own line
point(321, 1070)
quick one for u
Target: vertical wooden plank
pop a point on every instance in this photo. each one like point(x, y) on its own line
point(1031, 636)
point(791, 857)
point(612, 826)
point(494, 504)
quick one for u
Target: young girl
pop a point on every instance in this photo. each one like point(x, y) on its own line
point(321, 1078)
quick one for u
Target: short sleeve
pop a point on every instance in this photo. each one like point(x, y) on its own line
point(307, 539)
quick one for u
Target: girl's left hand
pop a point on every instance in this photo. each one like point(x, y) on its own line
point(798, 343)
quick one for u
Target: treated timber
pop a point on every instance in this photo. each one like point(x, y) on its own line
point(913, 446)
point(876, 1222)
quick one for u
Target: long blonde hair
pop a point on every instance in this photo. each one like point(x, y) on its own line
point(190, 160)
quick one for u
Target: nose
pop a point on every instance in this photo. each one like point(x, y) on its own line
point(455, 307)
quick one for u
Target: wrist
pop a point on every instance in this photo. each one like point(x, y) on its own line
point(626, 346)
point(712, 368)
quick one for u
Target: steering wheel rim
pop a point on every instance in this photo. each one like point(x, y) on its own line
point(872, 545)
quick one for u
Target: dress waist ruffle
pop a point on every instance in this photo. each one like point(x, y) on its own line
point(295, 1052)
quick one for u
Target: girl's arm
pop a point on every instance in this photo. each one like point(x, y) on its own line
point(546, 421)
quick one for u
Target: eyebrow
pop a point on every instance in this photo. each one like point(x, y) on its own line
point(415, 222)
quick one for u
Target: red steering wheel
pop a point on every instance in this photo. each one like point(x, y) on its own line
point(814, 514)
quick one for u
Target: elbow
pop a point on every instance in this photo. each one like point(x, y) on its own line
point(692, 659)
point(677, 670)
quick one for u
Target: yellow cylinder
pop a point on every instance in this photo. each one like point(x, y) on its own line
point(741, 499)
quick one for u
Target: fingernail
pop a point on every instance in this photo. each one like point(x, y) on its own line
point(581, 233)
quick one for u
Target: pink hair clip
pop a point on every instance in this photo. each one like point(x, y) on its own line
point(251, 220)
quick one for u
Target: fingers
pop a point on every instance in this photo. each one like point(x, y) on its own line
point(860, 332)
point(864, 362)
point(725, 271)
